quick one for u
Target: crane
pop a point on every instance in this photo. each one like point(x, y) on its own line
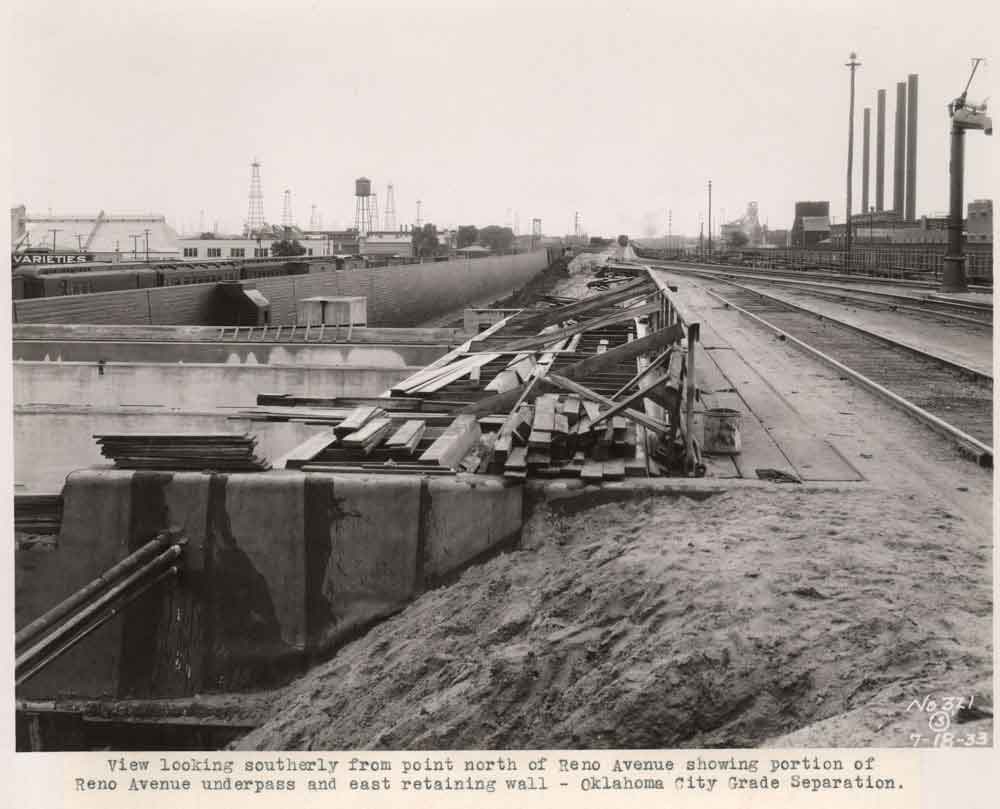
point(964, 116)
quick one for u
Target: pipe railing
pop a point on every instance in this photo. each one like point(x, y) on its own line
point(46, 638)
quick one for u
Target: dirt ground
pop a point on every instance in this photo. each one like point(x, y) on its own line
point(672, 622)
point(763, 616)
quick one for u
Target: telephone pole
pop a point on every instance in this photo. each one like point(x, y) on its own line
point(853, 64)
point(709, 217)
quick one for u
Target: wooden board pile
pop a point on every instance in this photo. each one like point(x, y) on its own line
point(221, 452)
point(368, 439)
point(37, 513)
point(560, 436)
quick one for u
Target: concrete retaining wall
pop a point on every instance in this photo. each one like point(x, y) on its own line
point(51, 443)
point(404, 295)
point(183, 386)
point(281, 567)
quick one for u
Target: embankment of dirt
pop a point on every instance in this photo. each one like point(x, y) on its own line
point(672, 622)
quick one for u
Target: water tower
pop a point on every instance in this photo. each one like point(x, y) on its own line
point(365, 218)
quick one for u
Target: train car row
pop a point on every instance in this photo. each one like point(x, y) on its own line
point(31, 283)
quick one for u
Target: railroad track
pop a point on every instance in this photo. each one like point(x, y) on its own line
point(953, 400)
point(808, 274)
point(953, 312)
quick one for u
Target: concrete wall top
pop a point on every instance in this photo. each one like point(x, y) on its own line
point(400, 295)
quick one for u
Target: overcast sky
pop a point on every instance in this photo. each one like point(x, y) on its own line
point(619, 112)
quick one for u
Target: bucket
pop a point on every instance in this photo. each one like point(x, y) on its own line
point(722, 431)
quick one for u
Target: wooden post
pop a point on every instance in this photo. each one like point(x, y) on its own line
point(692, 340)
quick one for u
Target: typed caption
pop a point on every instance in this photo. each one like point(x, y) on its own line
point(99, 779)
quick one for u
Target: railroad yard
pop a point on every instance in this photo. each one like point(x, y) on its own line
point(860, 589)
point(632, 586)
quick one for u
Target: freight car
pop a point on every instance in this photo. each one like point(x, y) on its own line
point(56, 284)
point(33, 282)
point(181, 275)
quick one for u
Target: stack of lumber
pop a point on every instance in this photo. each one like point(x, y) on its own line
point(224, 452)
point(37, 513)
point(558, 437)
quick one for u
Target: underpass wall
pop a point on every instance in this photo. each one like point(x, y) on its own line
point(403, 295)
point(280, 568)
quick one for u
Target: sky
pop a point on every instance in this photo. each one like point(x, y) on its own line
point(619, 112)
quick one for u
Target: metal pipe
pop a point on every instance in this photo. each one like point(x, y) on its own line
point(173, 570)
point(953, 278)
point(107, 598)
point(85, 594)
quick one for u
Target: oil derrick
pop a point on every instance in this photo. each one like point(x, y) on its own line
point(255, 212)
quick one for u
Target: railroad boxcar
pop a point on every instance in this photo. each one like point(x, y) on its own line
point(251, 272)
point(177, 276)
point(52, 285)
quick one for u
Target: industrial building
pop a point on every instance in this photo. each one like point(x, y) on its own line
point(62, 239)
point(811, 224)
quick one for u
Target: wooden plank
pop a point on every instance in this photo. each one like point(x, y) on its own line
point(517, 459)
point(588, 325)
point(369, 436)
point(408, 436)
point(502, 448)
point(503, 402)
point(305, 452)
point(454, 443)
point(356, 420)
point(614, 469)
point(540, 439)
point(631, 399)
point(451, 374)
point(588, 304)
point(504, 381)
point(573, 387)
point(814, 458)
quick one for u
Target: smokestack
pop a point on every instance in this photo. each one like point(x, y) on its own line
point(911, 147)
point(864, 159)
point(880, 152)
point(898, 169)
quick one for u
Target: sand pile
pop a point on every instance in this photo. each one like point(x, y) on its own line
point(671, 622)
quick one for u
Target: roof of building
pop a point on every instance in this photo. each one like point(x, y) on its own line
point(103, 233)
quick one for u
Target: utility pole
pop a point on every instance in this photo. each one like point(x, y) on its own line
point(135, 245)
point(670, 228)
point(79, 242)
point(963, 116)
point(853, 64)
point(54, 231)
point(710, 218)
point(146, 231)
point(418, 213)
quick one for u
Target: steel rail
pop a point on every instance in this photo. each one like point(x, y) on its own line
point(983, 453)
point(819, 288)
point(973, 372)
point(854, 278)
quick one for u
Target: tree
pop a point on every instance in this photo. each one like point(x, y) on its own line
point(467, 234)
point(287, 247)
point(496, 238)
point(425, 240)
point(738, 238)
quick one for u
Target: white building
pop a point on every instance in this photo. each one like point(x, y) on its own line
point(60, 239)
